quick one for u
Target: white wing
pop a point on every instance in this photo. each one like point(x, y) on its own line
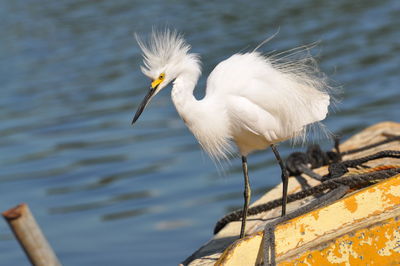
point(294, 99)
point(246, 115)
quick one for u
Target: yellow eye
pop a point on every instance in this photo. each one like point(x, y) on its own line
point(158, 81)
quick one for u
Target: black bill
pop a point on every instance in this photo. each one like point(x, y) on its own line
point(143, 104)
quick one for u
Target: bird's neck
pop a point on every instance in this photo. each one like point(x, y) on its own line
point(182, 90)
point(205, 118)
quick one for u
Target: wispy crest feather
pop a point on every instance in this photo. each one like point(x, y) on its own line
point(162, 48)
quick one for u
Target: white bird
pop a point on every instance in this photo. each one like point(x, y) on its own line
point(251, 100)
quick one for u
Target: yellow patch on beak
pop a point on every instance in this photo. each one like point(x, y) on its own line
point(158, 81)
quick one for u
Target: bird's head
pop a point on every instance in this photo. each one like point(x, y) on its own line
point(164, 58)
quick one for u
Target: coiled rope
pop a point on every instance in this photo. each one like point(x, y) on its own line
point(298, 163)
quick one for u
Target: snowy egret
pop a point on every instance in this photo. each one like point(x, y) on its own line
point(252, 100)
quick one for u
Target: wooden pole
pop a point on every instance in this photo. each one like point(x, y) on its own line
point(30, 237)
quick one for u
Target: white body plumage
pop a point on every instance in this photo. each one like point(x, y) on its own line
point(251, 100)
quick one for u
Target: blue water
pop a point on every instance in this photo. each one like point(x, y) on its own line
point(106, 193)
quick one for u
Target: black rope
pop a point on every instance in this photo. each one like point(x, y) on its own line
point(299, 162)
point(314, 157)
point(340, 168)
point(352, 181)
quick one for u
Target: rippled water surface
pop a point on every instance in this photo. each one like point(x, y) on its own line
point(106, 193)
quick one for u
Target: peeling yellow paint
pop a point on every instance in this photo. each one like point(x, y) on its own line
point(302, 229)
point(364, 240)
point(315, 215)
point(352, 249)
point(376, 245)
point(351, 205)
point(370, 202)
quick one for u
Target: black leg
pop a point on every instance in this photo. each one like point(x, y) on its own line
point(284, 176)
point(247, 195)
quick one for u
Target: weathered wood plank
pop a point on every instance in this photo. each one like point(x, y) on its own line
point(30, 237)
